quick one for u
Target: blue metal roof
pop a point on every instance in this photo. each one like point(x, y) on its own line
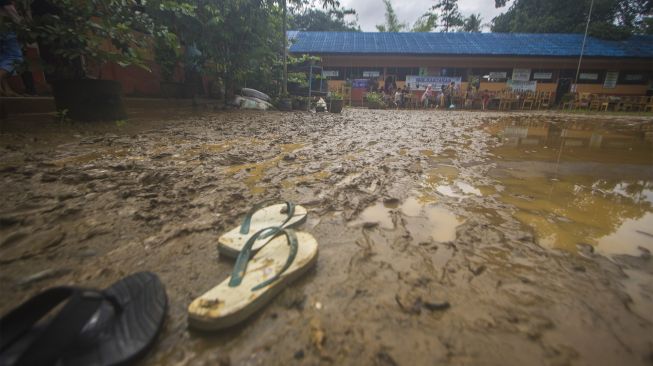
point(496, 44)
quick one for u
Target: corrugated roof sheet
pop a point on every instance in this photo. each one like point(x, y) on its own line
point(499, 44)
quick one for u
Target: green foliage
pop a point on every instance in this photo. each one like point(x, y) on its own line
point(374, 98)
point(62, 116)
point(298, 78)
point(98, 31)
point(166, 56)
point(611, 19)
point(319, 20)
point(303, 59)
point(473, 23)
point(392, 23)
point(336, 96)
point(426, 23)
point(448, 14)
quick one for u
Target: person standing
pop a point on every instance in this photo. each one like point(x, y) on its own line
point(426, 97)
point(10, 50)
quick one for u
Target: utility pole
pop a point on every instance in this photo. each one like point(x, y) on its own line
point(582, 49)
point(284, 87)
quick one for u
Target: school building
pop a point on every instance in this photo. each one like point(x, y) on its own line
point(538, 62)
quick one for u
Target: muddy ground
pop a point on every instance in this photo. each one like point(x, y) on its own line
point(442, 239)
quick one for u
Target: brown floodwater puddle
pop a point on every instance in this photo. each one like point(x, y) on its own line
point(443, 180)
point(424, 221)
point(579, 183)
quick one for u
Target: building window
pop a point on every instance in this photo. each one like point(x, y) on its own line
point(453, 72)
point(543, 76)
point(634, 77)
point(401, 72)
point(591, 77)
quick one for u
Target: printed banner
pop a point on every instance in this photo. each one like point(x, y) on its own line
point(542, 75)
point(421, 82)
point(371, 74)
point(495, 75)
point(522, 86)
point(360, 84)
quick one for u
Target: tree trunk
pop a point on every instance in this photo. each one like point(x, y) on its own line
point(284, 89)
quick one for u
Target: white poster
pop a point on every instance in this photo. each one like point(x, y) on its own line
point(610, 81)
point(588, 76)
point(522, 86)
point(521, 74)
point(542, 75)
point(330, 73)
point(421, 82)
point(371, 74)
point(498, 75)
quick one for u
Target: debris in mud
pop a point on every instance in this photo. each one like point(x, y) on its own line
point(414, 305)
point(318, 337)
point(476, 269)
point(384, 359)
point(43, 275)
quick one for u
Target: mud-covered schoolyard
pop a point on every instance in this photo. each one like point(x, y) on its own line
point(446, 238)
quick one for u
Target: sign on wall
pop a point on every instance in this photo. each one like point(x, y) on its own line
point(421, 82)
point(360, 83)
point(498, 75)
point(522, 86)
point(521, 74)
point(371, 74)
point(610, 81)
point(542, 75)
point(588, 76)
point(330, 73)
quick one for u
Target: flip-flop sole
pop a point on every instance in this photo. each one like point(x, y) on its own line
point(224, 306)
point(122, 338)
point(230, 243)
point(135, 329)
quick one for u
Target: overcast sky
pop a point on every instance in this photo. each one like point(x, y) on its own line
point(371, 12)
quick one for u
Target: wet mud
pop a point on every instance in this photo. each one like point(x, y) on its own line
point(454, 238)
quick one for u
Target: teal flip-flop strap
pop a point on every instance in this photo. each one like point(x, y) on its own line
point(240, 267)
point(292, 241)
point(247, 221)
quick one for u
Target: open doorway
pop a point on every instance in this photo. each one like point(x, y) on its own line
point(564, 86)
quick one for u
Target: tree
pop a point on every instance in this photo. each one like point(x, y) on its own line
point(426, 23)
point(611, 19)
point(392, 23)
point(473, 23)
point(319, 20)
point(448, 14)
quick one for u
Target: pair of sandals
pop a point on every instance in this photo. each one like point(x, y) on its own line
point(269, 256)
point(117, 325)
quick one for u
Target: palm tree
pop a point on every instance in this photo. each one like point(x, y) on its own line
point(473, 23)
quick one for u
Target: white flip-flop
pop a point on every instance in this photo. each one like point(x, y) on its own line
point(274, 218)
point(253, 283)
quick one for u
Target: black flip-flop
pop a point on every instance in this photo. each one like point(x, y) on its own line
point(97, 328)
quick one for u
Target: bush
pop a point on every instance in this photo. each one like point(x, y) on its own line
point(374, 98)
